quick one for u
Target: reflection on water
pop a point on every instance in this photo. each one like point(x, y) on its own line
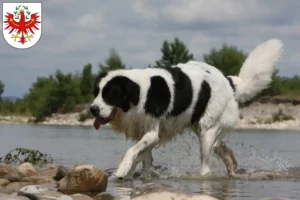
point(268, 150)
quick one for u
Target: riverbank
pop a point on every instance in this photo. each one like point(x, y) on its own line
point(258, 115)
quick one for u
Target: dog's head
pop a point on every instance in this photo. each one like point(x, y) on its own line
point(112, 92)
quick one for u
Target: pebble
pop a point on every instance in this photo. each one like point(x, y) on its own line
point(4, 182)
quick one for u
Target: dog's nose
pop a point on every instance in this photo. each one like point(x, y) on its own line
point(95, 110)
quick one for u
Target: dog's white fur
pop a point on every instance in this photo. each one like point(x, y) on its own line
point(220, 117)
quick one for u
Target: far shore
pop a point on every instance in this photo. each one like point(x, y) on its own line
point(268, 113)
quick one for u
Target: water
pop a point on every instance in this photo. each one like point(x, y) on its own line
point(254, 149)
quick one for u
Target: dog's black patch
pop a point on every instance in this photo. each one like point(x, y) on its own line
point(207, 71)
point(203, 98)
point(158, 97)
point(96, 83)
point(231, 83)
point(183, 91)
point(120, 92)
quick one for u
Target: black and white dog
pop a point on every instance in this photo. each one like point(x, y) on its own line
point(151, 106)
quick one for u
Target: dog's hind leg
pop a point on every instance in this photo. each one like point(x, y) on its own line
point(227, 156)
point(207, 139)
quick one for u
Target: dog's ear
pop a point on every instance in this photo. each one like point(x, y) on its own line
point(133, 91)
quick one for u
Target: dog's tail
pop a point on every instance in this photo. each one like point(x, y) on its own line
point(256, 72)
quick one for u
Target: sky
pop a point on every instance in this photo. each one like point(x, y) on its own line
point(77, 32)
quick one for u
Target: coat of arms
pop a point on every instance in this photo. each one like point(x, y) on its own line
point(22, 24)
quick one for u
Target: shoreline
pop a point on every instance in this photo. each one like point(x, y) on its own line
point(71, 120)
point(267, 115)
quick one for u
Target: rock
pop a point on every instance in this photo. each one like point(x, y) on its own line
point(10, 174)
point(15, 186)
point(156, 191)
point(80, 197)
point(38, 192)
point(46, 195)
point(9, 197)
point(84, 178)
point(64, 197)
point(33, 189)
point(61, 172)
point(4, 182)
point(104, 196)
point(27, 169)
point(37, 180)
point(49, 171)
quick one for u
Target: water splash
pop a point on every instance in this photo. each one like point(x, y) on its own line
point(180, 158)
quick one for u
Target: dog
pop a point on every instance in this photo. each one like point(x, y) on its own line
point(151, 106)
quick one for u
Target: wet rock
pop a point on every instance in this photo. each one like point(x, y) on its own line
point(156, 191)
point(49, 171)
point(15, 186)
point(38, 180)
point(38, 192)
point(47, 195)
point(33, 189)
point(75, 197)
point(10, 174)
point(4, 182)
point(80, 197)
point(84, 178)
point(10, 197)
point(104, 196)
point(28, 169)
point(61, 172)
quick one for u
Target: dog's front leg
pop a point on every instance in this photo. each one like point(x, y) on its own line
point(149, 140)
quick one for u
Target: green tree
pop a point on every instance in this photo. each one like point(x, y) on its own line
point(228, 59)
point(113, 62)
point(173, 53)
point(1, 90)
point(86, 83)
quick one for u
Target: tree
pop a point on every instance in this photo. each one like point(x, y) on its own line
point(113, 62)
point(228, 59)
point(173, 53)
point(86, 83)
point(1, 90)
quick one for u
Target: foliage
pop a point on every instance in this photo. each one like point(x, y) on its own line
point(173, 53)
point(228, 59)
point(113, 62)
point(21, 155)
point(1, 90)
point(86, 83)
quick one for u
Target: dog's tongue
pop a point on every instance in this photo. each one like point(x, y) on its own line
point(97, 123)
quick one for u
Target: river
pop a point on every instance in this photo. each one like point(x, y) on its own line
point(254, 149)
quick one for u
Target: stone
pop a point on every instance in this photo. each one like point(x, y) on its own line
point(104, 196)
point(84, 178)
point(10, 197)
point(10, 174)
point(27, 169)
point(4, 182)
point(50, 171)
point(156, 191)
point(33, 189)
point(80, 197)
point(38, 192)
point(64, 197)
point(46, 195)
point(61, 172)
point(38, 180)
point(16, 185)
